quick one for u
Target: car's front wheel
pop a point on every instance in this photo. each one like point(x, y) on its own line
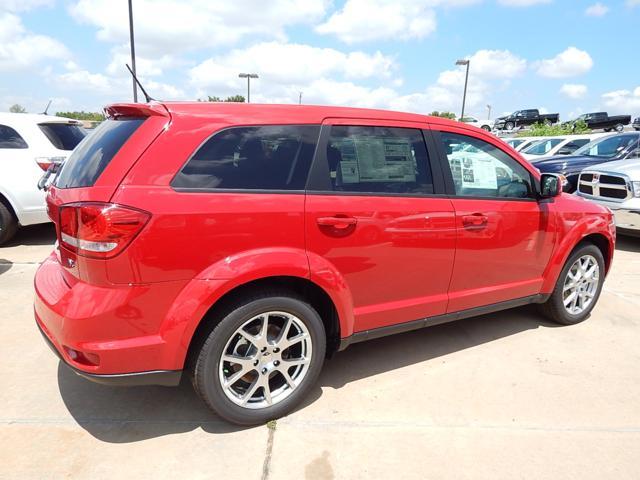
point(578, 287)
point(8, 224)
point(619, 127)
point(509, 125)
point(261, 359)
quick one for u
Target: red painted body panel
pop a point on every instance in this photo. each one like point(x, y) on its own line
point(402, 259)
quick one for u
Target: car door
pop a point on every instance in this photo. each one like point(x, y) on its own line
point(505, 236)
point(372, 211)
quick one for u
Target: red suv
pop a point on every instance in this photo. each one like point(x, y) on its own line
point(242, 244)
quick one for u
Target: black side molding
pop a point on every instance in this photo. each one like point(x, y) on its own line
point(437, 320)
point(165, 378)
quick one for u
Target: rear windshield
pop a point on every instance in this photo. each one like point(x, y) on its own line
point(94, 153)
point(63, 136)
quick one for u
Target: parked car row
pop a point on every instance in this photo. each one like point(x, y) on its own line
point(594, 120)
point(29, 145)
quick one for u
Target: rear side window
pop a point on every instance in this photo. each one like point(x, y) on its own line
point(274, 157)
point(378, 160)
point(63, 136)
point(9, 138)
point(93, 154)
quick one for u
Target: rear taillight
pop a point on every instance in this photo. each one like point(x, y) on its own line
point(99, 230)
point(45, 162)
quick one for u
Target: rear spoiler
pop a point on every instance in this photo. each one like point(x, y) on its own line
point(135, 110)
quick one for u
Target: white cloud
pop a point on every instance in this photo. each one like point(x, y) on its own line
point(633, 3)
point(570, 63)
point(23, 5)
point(367, 20)
point(21, 49)
point(623, 101)
point(280, 64)
point(596, 10)
point(169, 26)
point(522, 3)
point(574, 91)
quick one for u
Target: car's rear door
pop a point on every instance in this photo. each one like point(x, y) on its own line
point(505, 236)
point(372, 210)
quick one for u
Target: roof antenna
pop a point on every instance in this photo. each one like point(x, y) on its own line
point(146, 95)
point(47, 109)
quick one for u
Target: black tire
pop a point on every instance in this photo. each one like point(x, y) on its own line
point(8, 224)
point(619, 128)
point(205, 372)
point(554, 308)
point(509, 126)
point(486, 128)
point(607, 130)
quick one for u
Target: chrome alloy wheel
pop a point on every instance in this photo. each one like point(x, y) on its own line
point(581, 284)
point(265, 360)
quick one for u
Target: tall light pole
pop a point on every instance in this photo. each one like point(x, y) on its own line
point(133, 52)
point(466, 80)
point(489, 113)
point(299, 98)
point(248, 76)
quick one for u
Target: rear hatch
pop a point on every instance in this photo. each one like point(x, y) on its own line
point(88, 179)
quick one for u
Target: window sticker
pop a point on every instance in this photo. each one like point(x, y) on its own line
point(376, 159)
point(474, 172)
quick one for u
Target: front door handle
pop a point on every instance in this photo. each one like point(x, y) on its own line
point(337, 222)
point(475, 221)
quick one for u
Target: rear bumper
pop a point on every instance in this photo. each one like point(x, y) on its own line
point(166, 378)
point(107, 334)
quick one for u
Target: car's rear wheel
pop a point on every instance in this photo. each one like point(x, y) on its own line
point(261, 359)
point(578, 287)
point(619, 127)
point(8, 224)
point(486, 128)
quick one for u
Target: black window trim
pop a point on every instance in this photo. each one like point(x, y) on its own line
point(318, 182)
point(245, 190)
point(26, 144)
point(448, 175)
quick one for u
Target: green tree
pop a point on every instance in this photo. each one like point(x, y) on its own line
point(449, 115)
point(233, 98)
point(17, 109)
point(82, 115)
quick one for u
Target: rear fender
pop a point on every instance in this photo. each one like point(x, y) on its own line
point(200, 294)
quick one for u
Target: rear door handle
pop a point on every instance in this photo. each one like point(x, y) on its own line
point(477, 220)
point(337, 222)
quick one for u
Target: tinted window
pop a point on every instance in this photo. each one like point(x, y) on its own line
point(93, 154)
point(378, 160)
point(253, 158)
point(480, 169)
point(63, 136)
point(543, 146)
point(608, 147)
point(9, 138)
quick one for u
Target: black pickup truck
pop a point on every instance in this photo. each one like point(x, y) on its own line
point(522, 118)
point(603, 120)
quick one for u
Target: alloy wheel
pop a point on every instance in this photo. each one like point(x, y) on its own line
point(581, 284)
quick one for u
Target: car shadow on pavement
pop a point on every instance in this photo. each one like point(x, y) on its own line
point(123, 415)
point(41, 234)
point(5, 265)
point(628, 244)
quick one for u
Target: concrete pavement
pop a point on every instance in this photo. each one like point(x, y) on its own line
point(500, 396)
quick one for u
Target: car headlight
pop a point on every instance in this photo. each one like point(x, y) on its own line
point(636, 189)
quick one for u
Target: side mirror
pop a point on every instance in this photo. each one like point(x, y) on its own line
point(550, 185)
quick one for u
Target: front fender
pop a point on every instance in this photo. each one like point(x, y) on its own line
point(572, 228)
point(201, 293)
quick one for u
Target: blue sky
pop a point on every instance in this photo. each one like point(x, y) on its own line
point(567, 56)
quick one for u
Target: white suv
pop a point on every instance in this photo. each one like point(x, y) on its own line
point(29, 144)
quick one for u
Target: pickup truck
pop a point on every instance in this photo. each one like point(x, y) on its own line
point(603, 120)
point(615, 185)
point(522, 118)
point(621, 146)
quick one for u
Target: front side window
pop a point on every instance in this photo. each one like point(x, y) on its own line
point(9, 138)
point(483, 170)
point(378, 160)
point(274, 157)
point(543, 147)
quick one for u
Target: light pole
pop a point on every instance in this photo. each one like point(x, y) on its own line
point(489, 113)
point(299, 98)
point(248, 76)
point(133, 53)
point(466, 80)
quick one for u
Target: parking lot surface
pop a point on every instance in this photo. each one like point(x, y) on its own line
point(506, 395)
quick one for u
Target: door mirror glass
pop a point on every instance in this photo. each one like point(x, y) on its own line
point(550, 185)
